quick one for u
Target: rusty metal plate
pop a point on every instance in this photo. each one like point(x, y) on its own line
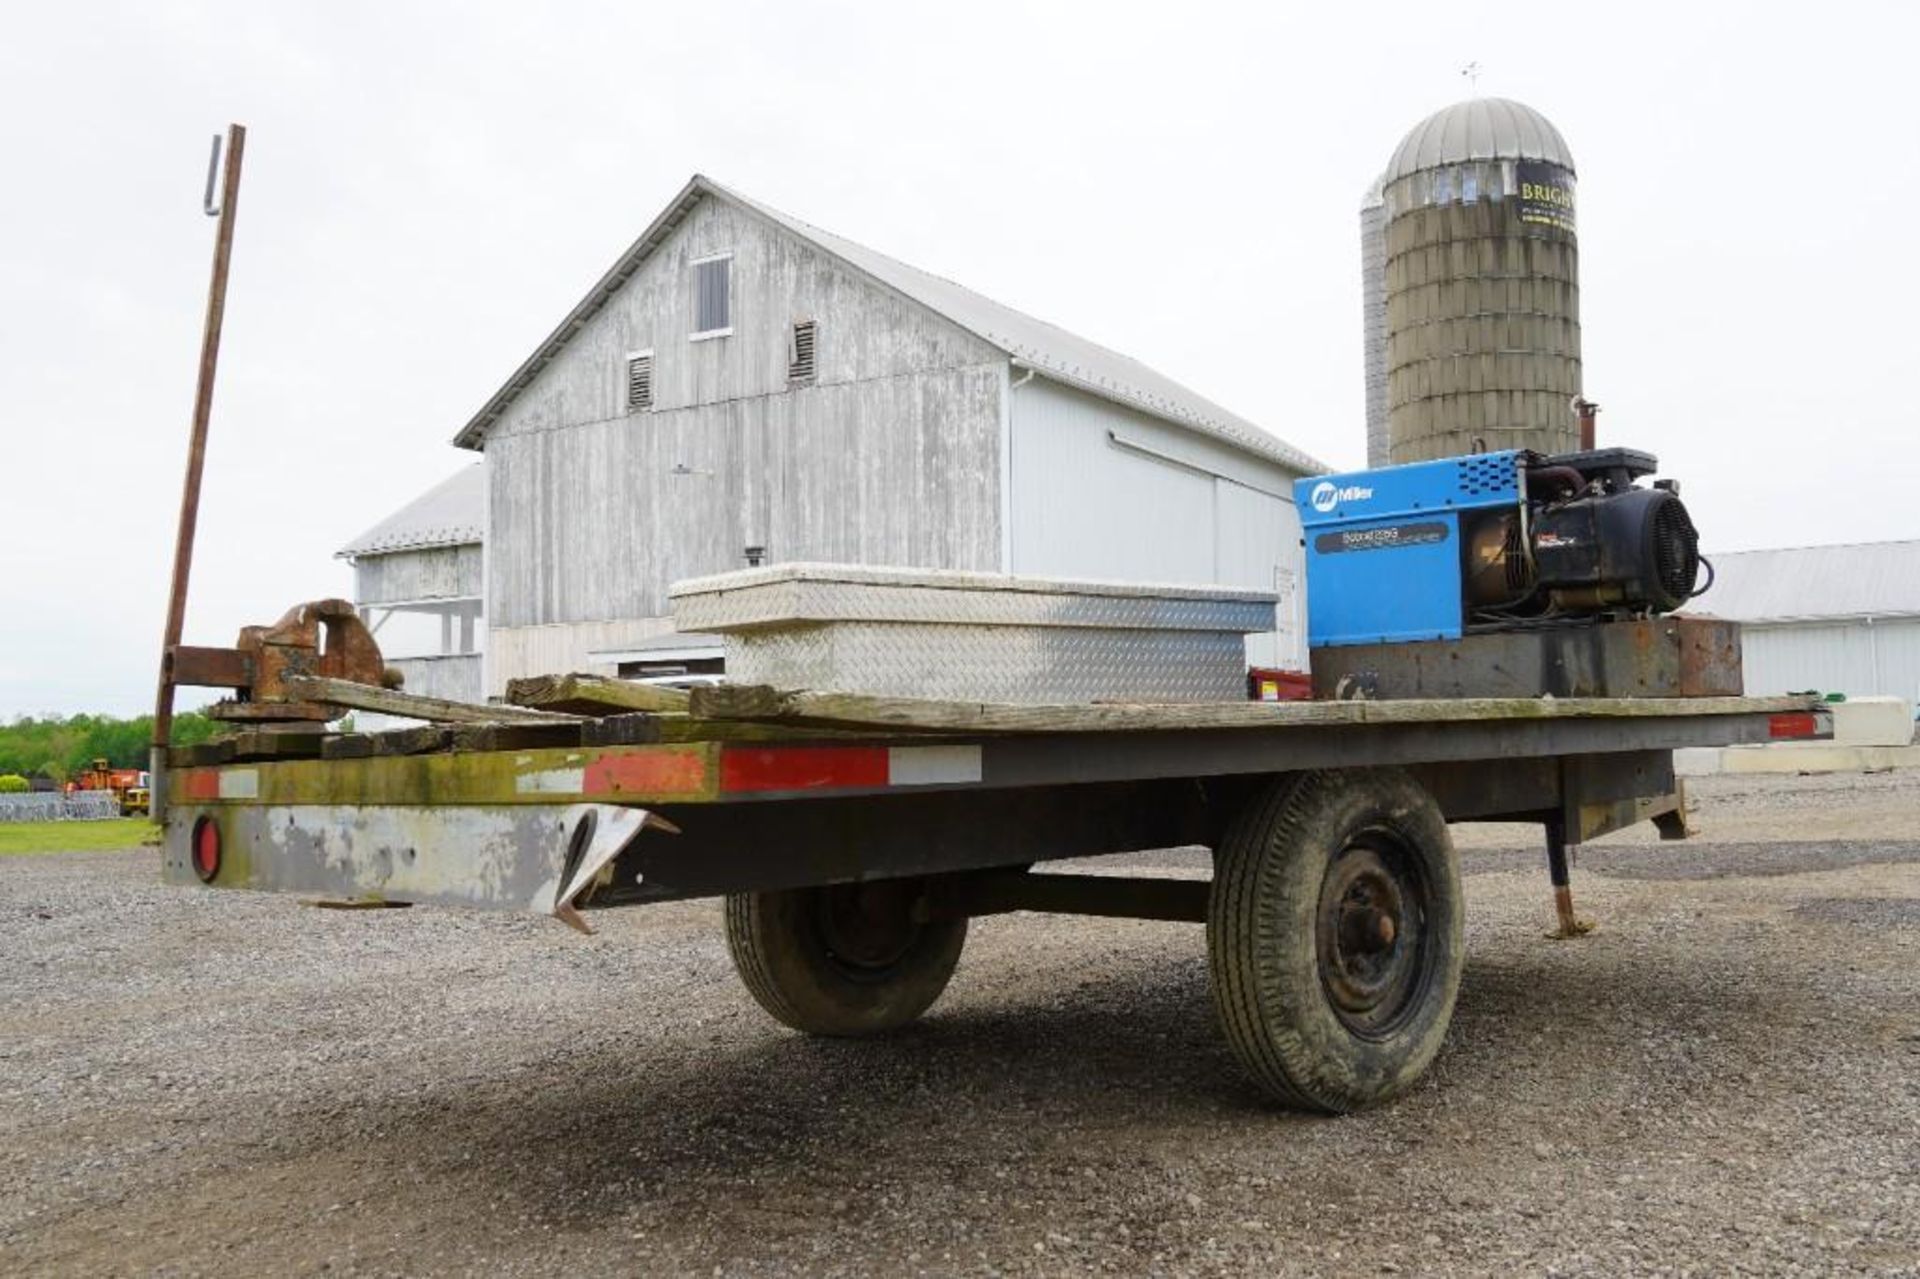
point(1658, 657)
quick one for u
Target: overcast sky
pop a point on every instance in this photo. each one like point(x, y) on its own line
point(429, 187)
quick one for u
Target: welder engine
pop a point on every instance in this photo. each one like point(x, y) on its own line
point(1493, 541)
point(1586, 539)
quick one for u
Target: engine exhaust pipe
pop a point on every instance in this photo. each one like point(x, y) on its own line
point(1588, 413)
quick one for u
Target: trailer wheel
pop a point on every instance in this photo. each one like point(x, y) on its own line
point(845, 959)
point(1334, 937)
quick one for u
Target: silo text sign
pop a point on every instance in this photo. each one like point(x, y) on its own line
point(1546, 194)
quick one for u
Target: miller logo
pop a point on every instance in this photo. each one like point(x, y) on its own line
point(1326, 495)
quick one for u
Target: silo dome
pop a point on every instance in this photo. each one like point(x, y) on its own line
point(1478, 129)
point(1472, 287)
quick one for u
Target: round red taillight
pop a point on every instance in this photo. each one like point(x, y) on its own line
point(206, 849)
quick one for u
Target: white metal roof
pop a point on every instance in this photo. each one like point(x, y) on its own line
point(1052, 351)
point(1809, 583)
point(451, 513)
point(1478, 129)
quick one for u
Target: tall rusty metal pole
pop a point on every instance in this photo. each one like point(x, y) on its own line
point(228, 210)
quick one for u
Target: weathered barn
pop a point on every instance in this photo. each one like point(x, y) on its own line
point(418, 579)
point(741, 387)
point(1841, 619)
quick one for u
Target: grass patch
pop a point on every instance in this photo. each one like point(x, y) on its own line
point(74, 837)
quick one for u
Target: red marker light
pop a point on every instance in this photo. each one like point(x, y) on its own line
point(206, 849)
point(1798, 724)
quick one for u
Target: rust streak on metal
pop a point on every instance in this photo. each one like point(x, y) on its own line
point(196, 459)
point(1588, 414)
point(207, 667)
point(1570, 925)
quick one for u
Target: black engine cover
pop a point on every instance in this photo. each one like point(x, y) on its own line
point(1634, 549)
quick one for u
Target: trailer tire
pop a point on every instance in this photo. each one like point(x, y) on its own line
point(844, 959)
point(1335, 937)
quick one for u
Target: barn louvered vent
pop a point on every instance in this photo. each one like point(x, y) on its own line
point(800, 365)
point(640, 380)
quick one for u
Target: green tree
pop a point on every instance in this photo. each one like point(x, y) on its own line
point(61, 746)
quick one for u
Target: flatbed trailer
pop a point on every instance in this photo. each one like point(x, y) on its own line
point(853, 837)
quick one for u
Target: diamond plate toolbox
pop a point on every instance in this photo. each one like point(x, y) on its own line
point(976, 636)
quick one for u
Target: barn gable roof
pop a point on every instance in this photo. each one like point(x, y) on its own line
point(451, 513)
point(1046, 348)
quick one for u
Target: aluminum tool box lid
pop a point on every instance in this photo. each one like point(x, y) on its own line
point(802, 593)
point(979, 636)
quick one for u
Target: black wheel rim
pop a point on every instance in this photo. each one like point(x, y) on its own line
point(1372, 934)
point(866, 930)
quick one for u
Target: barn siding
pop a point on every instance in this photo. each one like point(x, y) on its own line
point(1102, 491)
point(891, 455)
point(594, 522)
point(865, 331)
point(432, 573)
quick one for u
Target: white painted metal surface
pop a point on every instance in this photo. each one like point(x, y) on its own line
point(1856, 657)
point(1840, 619)
point(453, 676)
point(1103, 493)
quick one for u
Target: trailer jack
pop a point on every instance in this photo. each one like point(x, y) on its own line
point(1571, 925)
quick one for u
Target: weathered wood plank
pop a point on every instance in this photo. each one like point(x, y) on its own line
point(593, 695)
point(855, 711)
point(635, 729)
point(348, 746)
point(518, 737)
point(202, 754)
point(419, 740)
point(365, 697)
point(259, 744)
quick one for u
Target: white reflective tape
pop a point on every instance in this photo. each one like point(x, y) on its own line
point(239, 783)
point(932, 765)
point(553, 781)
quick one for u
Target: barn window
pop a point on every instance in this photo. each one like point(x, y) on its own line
point(712, 296)
point(640, 380)
point(800, 365)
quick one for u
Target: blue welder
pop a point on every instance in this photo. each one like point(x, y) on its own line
point(1492, 542)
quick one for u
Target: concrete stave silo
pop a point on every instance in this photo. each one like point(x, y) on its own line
point(1469, 247)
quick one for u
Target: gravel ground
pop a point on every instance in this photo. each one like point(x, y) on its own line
point(1724, 1078)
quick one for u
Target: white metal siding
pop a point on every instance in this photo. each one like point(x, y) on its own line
point(1858, 658)
point(1100, 491)
point(455, 677)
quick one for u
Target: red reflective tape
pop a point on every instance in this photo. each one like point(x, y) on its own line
point(199, 784)
point(1795, 724)
point(802, 768)
point(646, 772)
